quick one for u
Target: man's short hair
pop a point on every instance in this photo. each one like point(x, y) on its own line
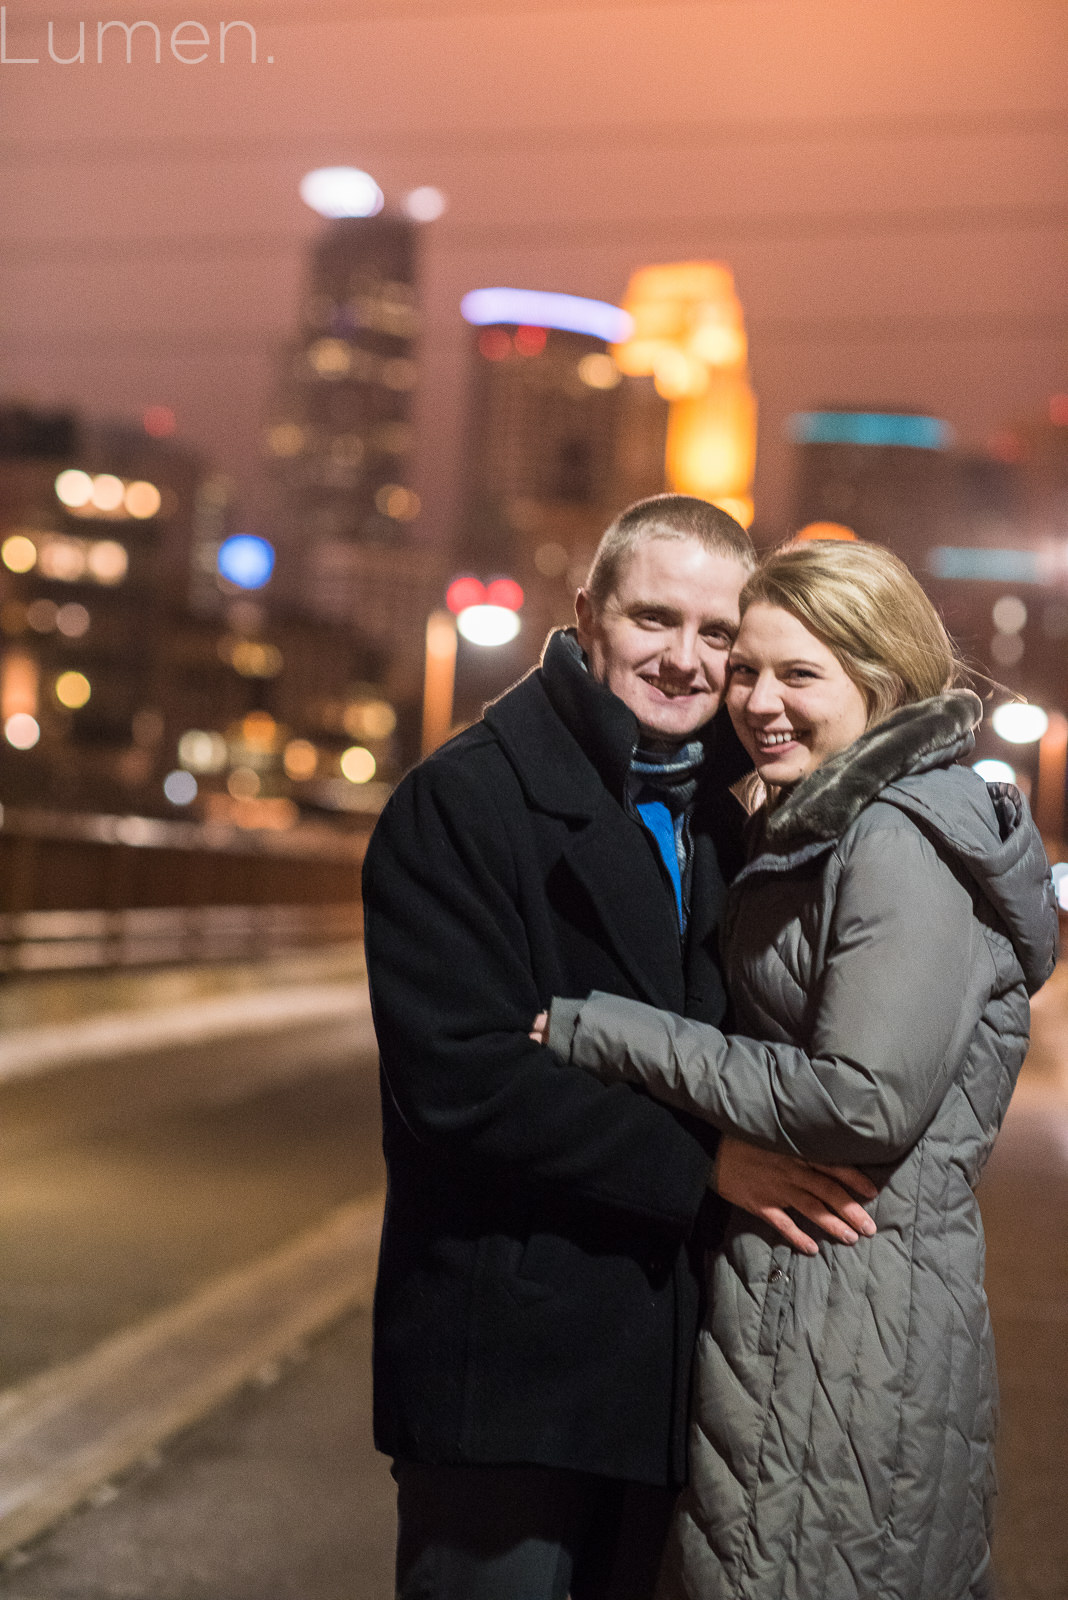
point(664, 516)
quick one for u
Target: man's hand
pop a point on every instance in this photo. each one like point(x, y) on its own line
point(765, 1183)
point(540, 1031)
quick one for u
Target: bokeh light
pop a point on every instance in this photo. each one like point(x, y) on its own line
point(74, 488)
point(22, 731)
point(357, 764)
point(159, 422)
point(341, 192)
point(599, 371)
point(18, 553)
point(142, 500)
point(108, 492)
point(464, 592)
point(73, 690)
point(425, 204)
point(504, 592)
point(72, 620)
point(202, 751)
point(180, 787)
point(488, 625)
point(1009, 614)
point(107, 561)
point(246, 560)
point(1019, 723)
point(300, 759)
point(995, 771)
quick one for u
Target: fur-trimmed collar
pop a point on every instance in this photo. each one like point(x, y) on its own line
point(930, 733)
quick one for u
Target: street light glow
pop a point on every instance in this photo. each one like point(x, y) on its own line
point(488, 625)
point(341, 192)
point(995, 771)
point(1019, 723)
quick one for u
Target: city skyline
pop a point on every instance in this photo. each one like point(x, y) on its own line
point(886, 183)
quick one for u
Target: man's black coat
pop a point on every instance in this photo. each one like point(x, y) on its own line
point(536, 1301)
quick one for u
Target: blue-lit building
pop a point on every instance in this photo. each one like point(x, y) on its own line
point(889, 474)
point(558, 441)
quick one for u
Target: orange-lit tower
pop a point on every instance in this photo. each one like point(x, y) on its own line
point(689, 334)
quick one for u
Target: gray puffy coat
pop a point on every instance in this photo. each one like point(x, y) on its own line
point(881, 944)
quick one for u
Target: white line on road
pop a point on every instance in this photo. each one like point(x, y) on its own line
point(71, 1428)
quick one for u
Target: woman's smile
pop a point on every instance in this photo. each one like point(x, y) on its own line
point(791, 701)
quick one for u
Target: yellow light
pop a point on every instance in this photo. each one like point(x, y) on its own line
point(394, 501)
point(300, 759)
point(678, 375)
point(252, 659)
point(357, 764)
point(599, 371)
point(285, 439)
point(202, 751)
point(107, 561)
point(107, 493)
point(740, 507)
point(689, 334)
point(369, 719)
point(259, 730)
point(74, 488)
point(73, 690)
point(711, 441)
point(18, 553)
point(331, 358)
point(142, 500)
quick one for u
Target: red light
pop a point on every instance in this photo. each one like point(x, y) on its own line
point(159, 422)
point(505, 592)
point(1007, 446)
point(1058, 410)
point(530, 341)
point(464, 592)
point(494, 344)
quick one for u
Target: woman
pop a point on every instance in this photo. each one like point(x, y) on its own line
point(881, 944)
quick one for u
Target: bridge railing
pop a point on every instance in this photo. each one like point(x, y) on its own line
point(101, 891)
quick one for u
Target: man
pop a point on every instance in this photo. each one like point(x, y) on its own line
point(537, 1302)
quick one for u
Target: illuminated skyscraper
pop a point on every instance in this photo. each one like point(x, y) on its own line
point(339, 439)
point(558, 441)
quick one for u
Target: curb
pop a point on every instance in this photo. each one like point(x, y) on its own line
point(26, 1052)
point(69, 1429)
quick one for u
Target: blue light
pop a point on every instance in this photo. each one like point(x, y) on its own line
point(246, 560)
point(871, 428)
point(984, 566)
point(537, 308)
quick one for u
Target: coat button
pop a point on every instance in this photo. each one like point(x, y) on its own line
point(777, 1275)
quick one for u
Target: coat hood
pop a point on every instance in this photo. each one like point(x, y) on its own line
point(908, 761)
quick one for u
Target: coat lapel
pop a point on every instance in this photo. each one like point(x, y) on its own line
point(613, 861)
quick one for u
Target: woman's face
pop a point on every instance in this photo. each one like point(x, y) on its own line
point(791, 701)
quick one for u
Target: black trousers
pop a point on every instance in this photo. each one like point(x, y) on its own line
point(526, 1533)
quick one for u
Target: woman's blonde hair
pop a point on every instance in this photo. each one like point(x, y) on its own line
point(869, 610)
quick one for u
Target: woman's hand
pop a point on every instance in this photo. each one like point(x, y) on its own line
point(539, 1032)
point(769, 1185)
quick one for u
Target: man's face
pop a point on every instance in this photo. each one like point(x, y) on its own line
point(661, 640)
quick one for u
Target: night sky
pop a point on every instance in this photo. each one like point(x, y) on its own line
point(888, 179)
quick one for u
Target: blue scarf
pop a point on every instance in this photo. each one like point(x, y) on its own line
point(661, 788)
